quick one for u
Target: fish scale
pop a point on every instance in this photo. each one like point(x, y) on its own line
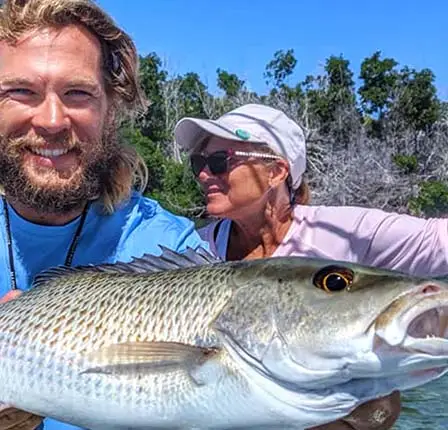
point(108, 307)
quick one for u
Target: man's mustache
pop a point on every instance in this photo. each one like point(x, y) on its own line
point(27, 142)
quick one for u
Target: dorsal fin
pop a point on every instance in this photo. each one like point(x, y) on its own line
point(148, 263)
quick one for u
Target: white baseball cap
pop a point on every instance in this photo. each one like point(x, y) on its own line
point(254, 123)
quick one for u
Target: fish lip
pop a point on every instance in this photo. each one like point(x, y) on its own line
point(427, 332)
point(422, 319)
point(439, 316)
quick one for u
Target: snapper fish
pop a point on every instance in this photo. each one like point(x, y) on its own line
point(184, 341)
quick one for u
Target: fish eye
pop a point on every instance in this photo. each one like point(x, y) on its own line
point(333, 278)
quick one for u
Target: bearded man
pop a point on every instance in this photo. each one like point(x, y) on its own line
point(71, 192)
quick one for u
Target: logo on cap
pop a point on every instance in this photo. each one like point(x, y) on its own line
point(242, 134)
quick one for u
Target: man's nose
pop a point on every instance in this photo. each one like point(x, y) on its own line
point(50, 116)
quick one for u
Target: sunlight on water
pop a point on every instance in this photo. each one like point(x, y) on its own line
point(425, 407)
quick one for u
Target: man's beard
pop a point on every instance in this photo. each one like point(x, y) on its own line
point(89, 181)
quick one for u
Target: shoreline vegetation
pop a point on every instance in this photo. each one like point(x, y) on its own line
point(381, 143)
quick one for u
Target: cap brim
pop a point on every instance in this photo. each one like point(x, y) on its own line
point(191, 131)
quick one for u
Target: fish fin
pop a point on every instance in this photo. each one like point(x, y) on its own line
point(144, 357)
point(148, 263)
point(190, 255)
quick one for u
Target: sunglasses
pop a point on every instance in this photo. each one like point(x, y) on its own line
point(219, 162)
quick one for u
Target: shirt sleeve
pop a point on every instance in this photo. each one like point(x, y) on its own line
point(405, 243)
point(190, 238)
point(149, 227)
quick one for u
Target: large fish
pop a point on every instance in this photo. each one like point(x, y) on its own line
point(185, 342)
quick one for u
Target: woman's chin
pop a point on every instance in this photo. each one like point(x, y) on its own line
point(217, 209)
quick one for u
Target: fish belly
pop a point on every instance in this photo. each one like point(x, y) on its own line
point(175, 399)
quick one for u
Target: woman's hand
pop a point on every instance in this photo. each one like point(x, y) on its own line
point(378, 414)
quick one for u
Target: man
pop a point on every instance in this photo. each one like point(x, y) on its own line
point(68, 76)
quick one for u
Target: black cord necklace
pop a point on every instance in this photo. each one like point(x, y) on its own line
point(70, 253)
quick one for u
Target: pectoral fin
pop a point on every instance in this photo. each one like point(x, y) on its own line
point(144, 357)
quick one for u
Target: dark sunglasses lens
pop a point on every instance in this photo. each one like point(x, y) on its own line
point(218, 163)
point(197, 162)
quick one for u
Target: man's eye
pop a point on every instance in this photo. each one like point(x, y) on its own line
point(78, 93)
point(20, 92)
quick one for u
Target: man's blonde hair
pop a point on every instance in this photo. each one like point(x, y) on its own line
point(120, 71)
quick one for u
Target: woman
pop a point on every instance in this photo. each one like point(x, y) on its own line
point(250, 163)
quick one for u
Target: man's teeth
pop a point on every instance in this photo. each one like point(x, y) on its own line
point(49, 152)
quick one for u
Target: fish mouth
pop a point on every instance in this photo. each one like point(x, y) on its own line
point(417, 323)
point(433, 322)
point(428, 332)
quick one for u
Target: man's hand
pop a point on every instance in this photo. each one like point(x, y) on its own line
point(12, 418)
point(10, 295)
point(15, 419)
point(378, 414)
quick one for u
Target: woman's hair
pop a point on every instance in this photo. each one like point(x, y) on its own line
point(302, 196)
point(120, 71)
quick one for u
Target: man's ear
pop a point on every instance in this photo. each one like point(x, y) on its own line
point(279, 172)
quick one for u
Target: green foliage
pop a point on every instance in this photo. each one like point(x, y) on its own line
point(444, 111)
point(192, 93)
point(379, 82)
point(179, 191)
point(340, 81)
point(314, 95)
point(170, 182)
point(407, 163)
point(150, 152)
point(229, 83)
point(280, 67)
point(153, 78)
point(406, 95)
point(417, 103)
point(432, 199)
point(330, 97)
point(393, 102)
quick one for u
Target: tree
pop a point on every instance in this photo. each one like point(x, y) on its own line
point(341, 91)
point(192, 92)
point(432, 199)
point(417, 101)
point(179, 191)
point(150, 152)
point(404, 168)
point(379, 83)
point(331, 99)
point(229, 83)
point(153, 78)
point(444, 111)
point(171, 183)
point(314, 90)
point(280, 67)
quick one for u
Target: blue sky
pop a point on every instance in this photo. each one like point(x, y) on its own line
point(241, 36)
